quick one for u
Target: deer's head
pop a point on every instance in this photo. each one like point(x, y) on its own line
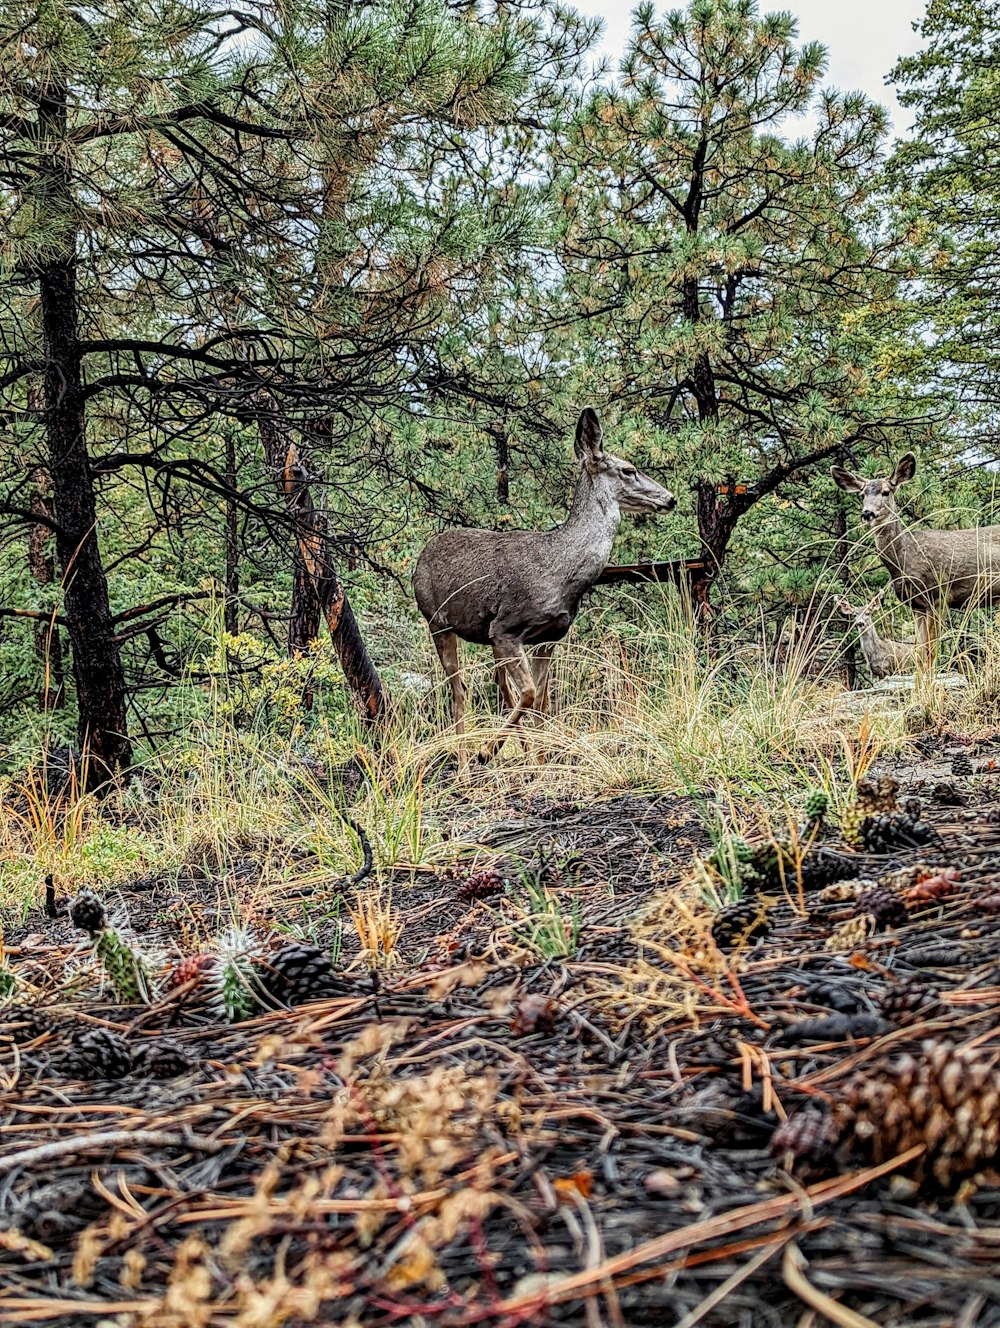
point(861, 616)
point(878, 497)
point(632, 490)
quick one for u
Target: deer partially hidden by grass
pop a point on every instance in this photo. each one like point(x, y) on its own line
point(883, 657)
point(932, 570)
point(516, 589)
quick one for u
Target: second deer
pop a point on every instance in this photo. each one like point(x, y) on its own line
point(932, 570)
point(516, 589)
point(883, 657)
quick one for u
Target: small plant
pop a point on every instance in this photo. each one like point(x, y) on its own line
point(546, 928)
point(126, 968)
point(379, 927)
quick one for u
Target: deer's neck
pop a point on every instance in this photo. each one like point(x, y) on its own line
point(895, 544)
point(870, 640)
point(582, 544)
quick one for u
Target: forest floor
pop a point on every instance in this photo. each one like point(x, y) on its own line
point(541, 1084)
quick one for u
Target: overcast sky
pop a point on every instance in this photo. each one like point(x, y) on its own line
point(863, 38)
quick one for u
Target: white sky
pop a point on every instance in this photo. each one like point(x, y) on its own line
point(863, 38)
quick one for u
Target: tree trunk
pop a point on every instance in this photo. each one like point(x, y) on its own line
point(231, 616)
point(41, 564)
point(717, 518)
point(318, 591)
point(97, 666)
point(842, 553)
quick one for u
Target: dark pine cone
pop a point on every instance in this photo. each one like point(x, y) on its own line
point(961, 765)
point(87, 912)
point(95, 1053)
point(910, 1000)
point(162, 1058)
point(298, 973)
point(887, 831)
point(24, 1023)
point(823, 866)
point(748, 919)
point(948, 795)
point(885, 906)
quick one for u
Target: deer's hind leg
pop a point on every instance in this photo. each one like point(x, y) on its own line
point(541, 666)
point(512, 664)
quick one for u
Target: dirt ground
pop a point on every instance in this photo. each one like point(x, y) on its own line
point(652, 1128)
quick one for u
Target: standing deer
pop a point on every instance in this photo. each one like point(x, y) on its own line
point(883, 657)
point(516, 588)
point(931, 570)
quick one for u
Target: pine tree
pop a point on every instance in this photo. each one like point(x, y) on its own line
point(724, 270)
point(205, 206)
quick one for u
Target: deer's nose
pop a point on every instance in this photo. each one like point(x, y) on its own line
point(867, 516)
point(670, 503)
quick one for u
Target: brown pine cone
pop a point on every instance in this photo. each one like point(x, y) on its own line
point(946, 1099)
point(910, 1001)
point(885, 906)
point(850, 934)
point(807, 1138)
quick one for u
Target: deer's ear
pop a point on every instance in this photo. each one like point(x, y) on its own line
point(588, 435)
point(844, 605)
point(845, 480)
point(906, 468)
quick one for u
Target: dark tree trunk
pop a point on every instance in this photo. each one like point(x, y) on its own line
point(232, 606)
point(318, 591)
point(842, 553)
point(41, 564)
point(503, 462)
point(97, 666)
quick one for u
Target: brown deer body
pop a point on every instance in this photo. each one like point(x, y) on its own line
point(522, 588)
point(932, 570)
point(884, 657)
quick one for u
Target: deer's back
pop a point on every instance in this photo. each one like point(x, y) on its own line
point(468, 581)
point(950, 566)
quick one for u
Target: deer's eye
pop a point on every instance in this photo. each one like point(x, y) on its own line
point(629, 473)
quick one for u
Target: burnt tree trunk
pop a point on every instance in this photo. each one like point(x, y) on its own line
point(231, 616)
point(842, 553)
point(317, 591)
point(97, 665)
point(41, 564)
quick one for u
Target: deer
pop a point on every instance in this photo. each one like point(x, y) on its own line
point(520, 589)
point(883, 657)
point(931, 570)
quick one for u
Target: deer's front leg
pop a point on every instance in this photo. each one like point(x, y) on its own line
point(926, 648)
point(511, 657)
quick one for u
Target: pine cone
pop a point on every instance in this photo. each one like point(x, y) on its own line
point(903, 877)
point(24, 1023)
point(947, 795)
point(841, 891)
point(807, 1137)
point(885, 906)
point(821, 866)
point(909, 1001)
point(92, 1052)
point(480, 885)
point(887, 831)
point(961, 765)
point(870, 799)
point(298, 973)
point(738, 923)
point(947, 1099)
point(162, 1058)
point(87, 912)
point(850, 934)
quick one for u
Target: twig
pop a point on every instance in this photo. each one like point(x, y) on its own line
point(86, 1143)
point(792, 1265)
